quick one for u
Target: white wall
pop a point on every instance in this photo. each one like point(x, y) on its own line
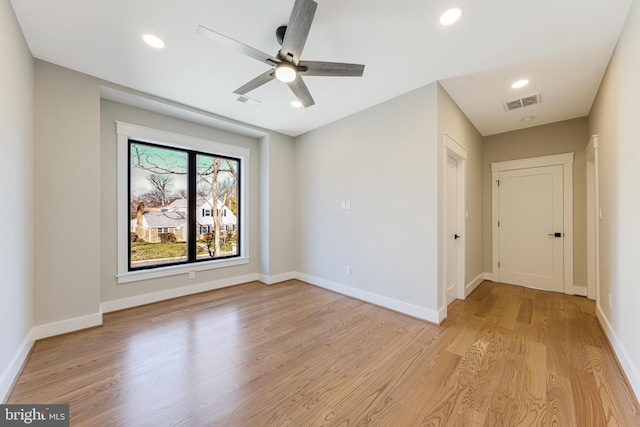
point(384, 161)
point(16, 169)
point(614, 117)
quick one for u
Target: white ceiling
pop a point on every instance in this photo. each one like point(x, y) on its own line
point(561, 46)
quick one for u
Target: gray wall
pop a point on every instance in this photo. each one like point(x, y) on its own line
point(453, 122)
point(110, 112)
point(556, 138)
point(16, 174)
point(615, 118)
point(75, 252)
point(384, 161)
point(277, 205)
point(59, 159)
point(67, 194)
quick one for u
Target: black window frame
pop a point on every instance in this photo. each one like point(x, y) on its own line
point(192, 224)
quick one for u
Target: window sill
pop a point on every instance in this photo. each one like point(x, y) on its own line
point(174, 270)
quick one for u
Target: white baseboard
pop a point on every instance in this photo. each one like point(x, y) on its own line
point(66, 326)
point(386, 302)
point(442, 315)
point(124, 303)
point(630, 370)
point(490, 276)
point(579, 290)
point(474, 284)
point(10, 374)
point(270, 280)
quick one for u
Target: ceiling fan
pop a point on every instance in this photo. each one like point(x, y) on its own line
point(286, 65)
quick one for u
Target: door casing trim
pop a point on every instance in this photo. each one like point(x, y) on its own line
point(451, 148)
point(593, 220)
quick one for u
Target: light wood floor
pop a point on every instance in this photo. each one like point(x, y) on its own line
point(295, 355)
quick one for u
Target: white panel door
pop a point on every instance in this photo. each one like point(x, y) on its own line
point(531, 227)
point(451, 215)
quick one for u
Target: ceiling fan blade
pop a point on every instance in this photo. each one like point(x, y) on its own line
point(297, 30)
point(257, 82)
point(301, 92)
point(236, 45)
point(315, 68)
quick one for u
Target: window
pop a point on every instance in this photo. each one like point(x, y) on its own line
point(167, 179)
point(165, 185)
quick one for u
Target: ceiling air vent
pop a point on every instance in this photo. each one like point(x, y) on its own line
point(248, 101)
point(522, 102)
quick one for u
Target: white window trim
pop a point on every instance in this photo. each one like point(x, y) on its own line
point(128, 131)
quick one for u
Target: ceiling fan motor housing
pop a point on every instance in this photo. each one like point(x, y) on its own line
point(280, 34)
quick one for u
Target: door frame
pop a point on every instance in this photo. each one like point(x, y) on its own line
point(451, 148)
point(566, 161)
point(593, 220)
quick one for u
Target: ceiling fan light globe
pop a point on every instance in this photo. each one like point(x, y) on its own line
point(285, 73)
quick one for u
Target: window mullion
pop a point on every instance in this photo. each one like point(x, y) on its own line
point(193, 236)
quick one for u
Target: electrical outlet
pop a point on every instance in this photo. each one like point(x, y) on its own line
point(192, 274)
point(348, 270)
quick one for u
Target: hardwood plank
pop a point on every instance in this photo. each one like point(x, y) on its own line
point(511, 309)
point(487, 307)
point(535, 359)
point(426, 386)
point(465, 337)
point(292, 354)
point(521, 410)
point(525, 311)
point(557, 349)
point(454, 393)
point(486, 378)
point(619, 410)
point(560, 402)
point(589, 412)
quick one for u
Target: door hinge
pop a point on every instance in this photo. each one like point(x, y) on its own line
point(498, 181)
point(498, 264)
point(498, 223)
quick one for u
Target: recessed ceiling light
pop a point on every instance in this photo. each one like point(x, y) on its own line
point(451, 16)
point(296, 104)
point(520, 83)
point(153, 41)
point(528, 118)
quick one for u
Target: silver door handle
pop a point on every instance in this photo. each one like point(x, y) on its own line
point(555, 234)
